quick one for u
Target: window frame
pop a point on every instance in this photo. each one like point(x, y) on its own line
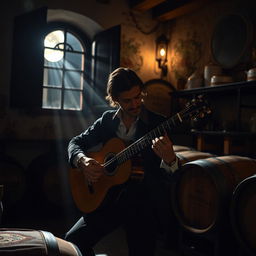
point(27, 68)
point(86, 44)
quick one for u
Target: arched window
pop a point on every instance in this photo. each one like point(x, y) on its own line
point(64, 67)
point(54, 67)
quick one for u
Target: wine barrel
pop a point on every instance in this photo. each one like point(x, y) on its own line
point(243, 214)
point(34, 242)
point(178, 148)
point(12, 177)
point(49, 184)
point(191, 155)
point(203, 189)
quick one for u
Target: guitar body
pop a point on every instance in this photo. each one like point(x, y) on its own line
point(116, 159)
point(89, 198)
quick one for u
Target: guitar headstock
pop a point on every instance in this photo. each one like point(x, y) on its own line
point(198, 108)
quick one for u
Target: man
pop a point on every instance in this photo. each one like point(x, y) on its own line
point(138, 205)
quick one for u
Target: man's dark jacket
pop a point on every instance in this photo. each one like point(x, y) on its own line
point(156, 179)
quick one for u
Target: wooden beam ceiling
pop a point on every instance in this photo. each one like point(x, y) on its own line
point(167, 12)
point(164, 10)
point(145, 5)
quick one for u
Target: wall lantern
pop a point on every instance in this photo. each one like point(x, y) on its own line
point(161, 53)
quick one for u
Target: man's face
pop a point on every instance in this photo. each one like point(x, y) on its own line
point(130, 101)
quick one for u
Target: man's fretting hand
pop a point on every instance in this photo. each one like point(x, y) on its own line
point(163, 147)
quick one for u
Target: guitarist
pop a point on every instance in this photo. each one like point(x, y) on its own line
point(142, 207)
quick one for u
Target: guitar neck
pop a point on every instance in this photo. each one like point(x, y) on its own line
point(145, 141)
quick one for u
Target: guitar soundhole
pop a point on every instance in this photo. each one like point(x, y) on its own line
point(111, 164)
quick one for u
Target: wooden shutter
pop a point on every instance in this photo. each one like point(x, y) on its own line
point(28, 60)
point(105, 58)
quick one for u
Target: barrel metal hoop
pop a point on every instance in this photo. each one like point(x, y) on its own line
point(229, 167)
point(51, 243)
point(180, 156)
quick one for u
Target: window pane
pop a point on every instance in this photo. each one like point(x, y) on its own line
point(74, 42)
point(52, 77)
point(72, 100)
point(57, 55)
point(52, 98)
point(74, 60)
point(73, 80)
point(54, 40)
point(63, 71)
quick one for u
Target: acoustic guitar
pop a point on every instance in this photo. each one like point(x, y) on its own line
point(116, 159)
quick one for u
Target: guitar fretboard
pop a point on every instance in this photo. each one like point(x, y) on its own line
point(146, 140)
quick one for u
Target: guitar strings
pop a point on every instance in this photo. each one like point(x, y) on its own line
point(143, 138)
point(122, 154)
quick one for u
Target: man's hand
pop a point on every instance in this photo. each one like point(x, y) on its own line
point(163, 147)
point(91, 169)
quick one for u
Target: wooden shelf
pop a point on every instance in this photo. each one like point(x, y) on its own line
point(238, 91)
point(226, 142)
point(244, 86)
point(225, 133)
point(232, 141)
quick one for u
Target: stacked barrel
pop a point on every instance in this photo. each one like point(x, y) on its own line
point(243, 212)
point(13, 184)
point(39, 189)
point(214, 201)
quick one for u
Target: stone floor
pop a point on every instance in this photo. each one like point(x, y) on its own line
point(113, 244)
point(117, 238)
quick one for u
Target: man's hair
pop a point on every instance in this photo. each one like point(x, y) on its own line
point(120, 80)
